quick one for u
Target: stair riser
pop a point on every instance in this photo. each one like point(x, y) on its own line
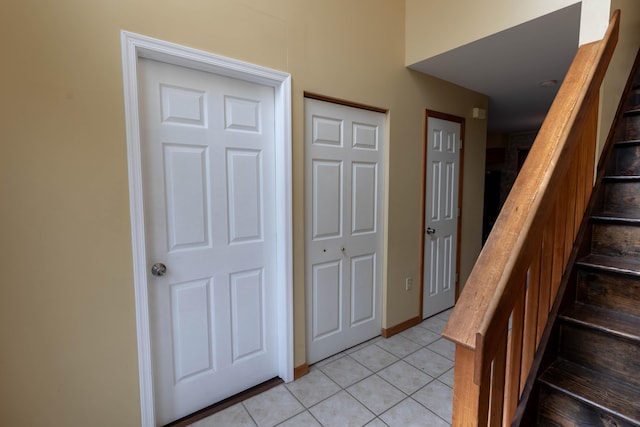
point(611, 291)
point(601, 351)
point(558, 409)
point(634, 99)
point(632, 123)
point(622, 198)
point(625, 160)
point(615, 240)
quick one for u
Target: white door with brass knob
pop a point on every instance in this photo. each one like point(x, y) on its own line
point(441, 213)
point(208, 176)
point(344, 182)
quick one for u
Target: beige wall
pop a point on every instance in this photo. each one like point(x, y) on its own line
point(435, 26)
point(67, 315)
point(621, 63)
point(426, 20)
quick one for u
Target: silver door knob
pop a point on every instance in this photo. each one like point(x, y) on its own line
point(158, 269)
point(431, 230)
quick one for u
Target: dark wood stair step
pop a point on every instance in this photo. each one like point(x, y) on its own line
point(612, 350)
point(625, 158)
point(617, 239)
point(611, 322)
point(609, 218)
point(631, 124)
point(612, 398)
point(627, 266)
point(621, 178)
point(627, 142)
point(633, 99)
point(609, 290)
point(620, 195)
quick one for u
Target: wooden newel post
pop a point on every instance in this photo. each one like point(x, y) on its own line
point(470, 400)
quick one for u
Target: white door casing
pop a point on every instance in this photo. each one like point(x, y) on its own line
point(441, 215)
point(344, 196)
point(198, 291)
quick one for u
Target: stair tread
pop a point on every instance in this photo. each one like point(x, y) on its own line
point(616, 323)
point(621, 178)
point(622, 265)
point(632, 112)
point(628, 142)
point(617, 218)
point(593, 388)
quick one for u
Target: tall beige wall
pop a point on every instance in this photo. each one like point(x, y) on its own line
point(427, 20)
point(67, 315)
point(621, 63)
point(436, 26)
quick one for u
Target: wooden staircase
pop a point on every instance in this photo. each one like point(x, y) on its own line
point(591, 374)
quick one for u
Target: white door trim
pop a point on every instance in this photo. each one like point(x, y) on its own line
point(135, 46)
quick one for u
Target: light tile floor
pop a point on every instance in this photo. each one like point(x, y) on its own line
point(402, 381)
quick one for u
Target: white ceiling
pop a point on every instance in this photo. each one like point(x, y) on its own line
point(509, 66)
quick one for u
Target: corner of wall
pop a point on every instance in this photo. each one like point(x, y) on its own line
point(594, 20)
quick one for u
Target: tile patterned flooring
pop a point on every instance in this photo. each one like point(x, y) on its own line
point(402, 381)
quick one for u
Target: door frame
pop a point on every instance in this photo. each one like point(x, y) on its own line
point(461, 121)
point(136, 46)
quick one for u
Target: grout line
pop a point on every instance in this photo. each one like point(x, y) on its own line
point(248, 412)
point(321, 365)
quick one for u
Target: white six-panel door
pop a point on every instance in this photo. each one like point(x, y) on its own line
point(343, 203)
point(441, 215)
point(208, 178)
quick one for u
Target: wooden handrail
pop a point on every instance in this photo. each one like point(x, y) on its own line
point(498, 320)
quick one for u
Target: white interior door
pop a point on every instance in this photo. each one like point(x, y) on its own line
point(441, 215)
point(344, 196)
point(207, 146)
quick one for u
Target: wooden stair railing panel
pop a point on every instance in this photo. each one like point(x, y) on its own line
point(498, 377)
point(543, 211)
point(559, 259)
point(546, 263)
point(471, 408)
point(514, 386)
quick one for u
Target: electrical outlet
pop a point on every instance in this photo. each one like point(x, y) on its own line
point(408, 283)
